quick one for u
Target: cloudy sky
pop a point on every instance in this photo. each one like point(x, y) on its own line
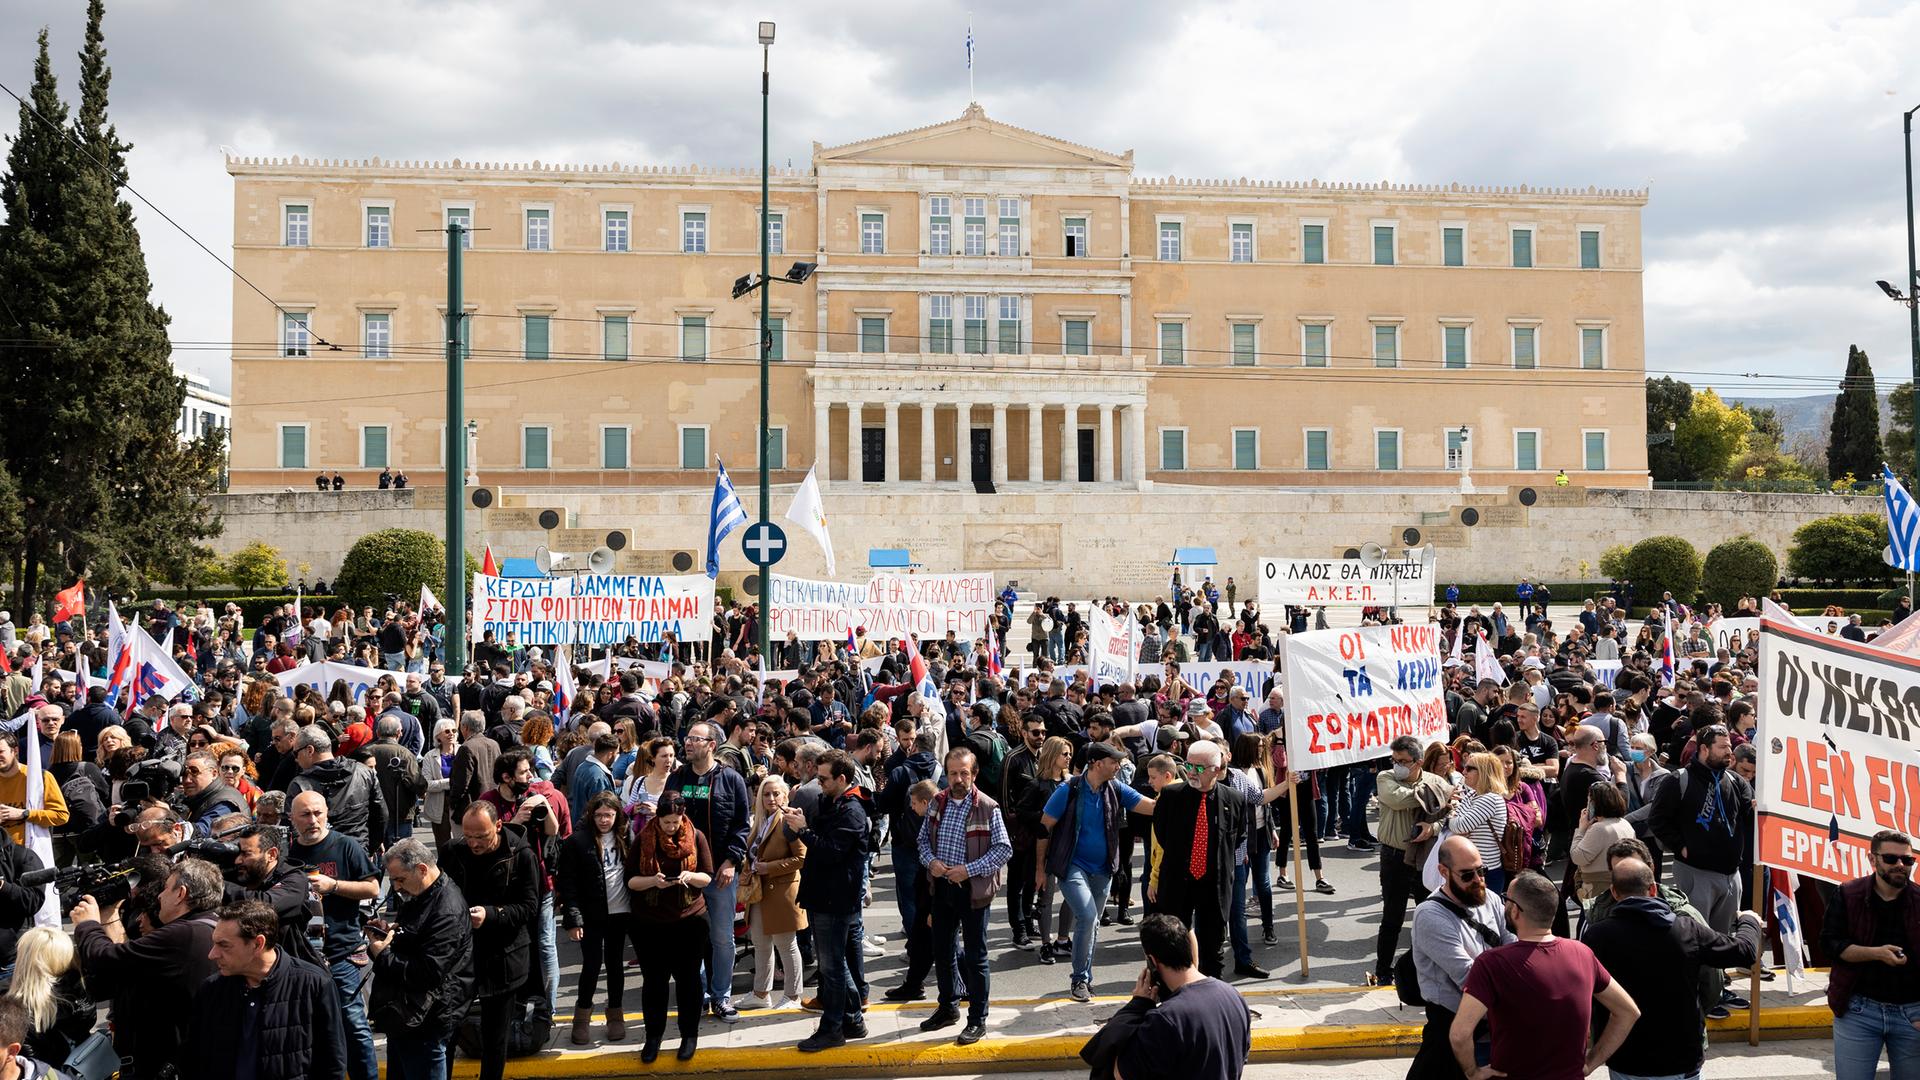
point(1768, 130)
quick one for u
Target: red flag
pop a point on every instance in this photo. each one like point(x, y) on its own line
point(487, 565)
point(70, 603)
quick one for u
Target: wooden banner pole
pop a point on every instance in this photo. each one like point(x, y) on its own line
point(1299, 876)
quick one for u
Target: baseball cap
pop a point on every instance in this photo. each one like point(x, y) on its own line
point(1103, 752)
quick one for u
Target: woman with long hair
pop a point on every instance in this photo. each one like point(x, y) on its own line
point(238, 770)
point(535, 734)
point(774, 918)
point(1050, 771)
point(436, 765)
point(667, 866)
point(60, 1013)
point(111, 738)
point(1526, 802)
point(596, 908)
point(646, 780)
point(1603, 823)
point(1480, 815)
point(1282, 820)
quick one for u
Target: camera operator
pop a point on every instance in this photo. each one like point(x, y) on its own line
point(267, 1015)
point(422, 964)
point(354, 805)
point(342, 875)
point(259, 873)
point(398, 770)
point(538, 812)
point(496, 873)
point(150, 976)
point(204, 796)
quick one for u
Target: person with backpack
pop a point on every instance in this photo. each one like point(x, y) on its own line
point(988, 745)
point(1451, 927)
point(1081, 850)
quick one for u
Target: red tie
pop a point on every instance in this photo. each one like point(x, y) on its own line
point(1197, 862)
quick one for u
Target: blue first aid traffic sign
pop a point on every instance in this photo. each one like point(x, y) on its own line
point(764, 542)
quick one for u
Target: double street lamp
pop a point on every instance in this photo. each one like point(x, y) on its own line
point(1911, 297)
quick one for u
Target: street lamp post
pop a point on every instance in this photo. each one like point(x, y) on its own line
point(1913, 278)
point(766, 339)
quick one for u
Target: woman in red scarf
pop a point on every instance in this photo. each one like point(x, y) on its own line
point(667, 866)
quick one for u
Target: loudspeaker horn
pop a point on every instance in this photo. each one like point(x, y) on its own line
point(1371, 554)
point(600, 560)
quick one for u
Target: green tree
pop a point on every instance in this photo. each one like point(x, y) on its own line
point(1767, 431)
point(257, 568)
point(1899, 450)
point(1739, 567)
point(1711, 435)
point(106, 488)
point(1840, 548)
point(395, 562)
point(1853, 442)
point(1668, 402)
point(1664, 564)
point(1613, 561)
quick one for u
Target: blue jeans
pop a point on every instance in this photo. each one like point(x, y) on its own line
point(1362, 780)
point(1086, 894)
point(1203, 650)
point(416, 1059)
point(1864, 1029)
point(720, 940)
point(835, 980)
point(549, 945)
point(350, 978)
point(393, 661)
point(953, 911)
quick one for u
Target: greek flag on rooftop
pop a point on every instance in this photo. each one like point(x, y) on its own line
point(1903, 522)
point(727, 516)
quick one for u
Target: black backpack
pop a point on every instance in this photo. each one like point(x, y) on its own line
point(1406, 979)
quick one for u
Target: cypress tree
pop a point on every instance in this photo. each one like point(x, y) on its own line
point(1853, 442)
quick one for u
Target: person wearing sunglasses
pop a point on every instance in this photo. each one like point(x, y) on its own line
point(1871, 931)
point(1450, 928)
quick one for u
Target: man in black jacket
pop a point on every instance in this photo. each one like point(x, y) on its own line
point(1657, 955)
point(895, 800)
point(422, 964)
point(830, 892)
point(151, 976)
point(266, 1015)
point(94, 718)
point(18, 904)
point(263, 876)
point(495, 870)
point(208, 798)
point(1697, 817)
point(354, 805)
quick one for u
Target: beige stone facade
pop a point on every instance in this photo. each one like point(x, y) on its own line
point(989, 302)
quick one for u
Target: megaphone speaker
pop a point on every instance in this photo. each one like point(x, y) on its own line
point(1371, 554)
point(600, 560)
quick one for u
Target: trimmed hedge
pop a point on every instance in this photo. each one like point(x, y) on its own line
point(1564, 592)
point(1817, 599)
point(1660, 564)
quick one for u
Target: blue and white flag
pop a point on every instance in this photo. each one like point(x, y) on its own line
point(969, 43)
point(727, 515)
point(1903, 522)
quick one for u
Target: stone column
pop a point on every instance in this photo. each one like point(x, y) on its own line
point(893, 441)
point(928, 460)
point(999, 443)
point(853, 442)
point(1036, 458)
point(1070, 446)
point(821, 453)
point(1103, 445)
point(963, 444)
point(1137, 428)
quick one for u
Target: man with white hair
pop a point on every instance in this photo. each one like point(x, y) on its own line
point(1198, 826)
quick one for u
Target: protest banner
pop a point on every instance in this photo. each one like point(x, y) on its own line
point(593, 609)
point(1111, 646)
point(889, 606)
point(1345, 583)
point(1606, 671)
point(1838, 727)
point(1732, 634)
point(323, 675)
point(1352, 692)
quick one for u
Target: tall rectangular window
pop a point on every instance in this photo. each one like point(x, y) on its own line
point(873, 234)
point(533, 447)
point(1456, 449)
point(537, 336)
point(1246, 351)
point(940, 324)
point(1589, 249)
point(297, 227)
point(974, 236)
point(1523, 248)
point(615, 229)
point(873, 335)
point(379, 226)
point(1246, 448)
point(693, 337)
point(466, 337)
point(776, 338)
point(1526, 450)
point(776, 446)
point(614, 337)
point(693, 232)
point(1317, 458)
point(1386, 346)
point(1313, 345)
point(1593, 348)
point(1456, 345)
point(1075, 333)
point(1313, 243)
point(1173, 449)
point(1523, 347)
point(1596, 446)
point(463, 217)
point(1383, 245)
point(1386, 451)
point(939, 225)
point(1075, 229)
point(539, 230)
point(1240, 242)
point(693, 448)
point(776, 234)
point(1173, 343)
point(1009, 227)
point(294, 335)
point(373, 446)
point(293, 446)
point(376, 334)
point(1453, 246)
point(974, 313)
point(1008, 327)
point(613, 447)
point(1169, 241)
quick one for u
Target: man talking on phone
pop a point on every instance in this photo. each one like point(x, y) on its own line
point(1874, 987)
point(1179, 1021)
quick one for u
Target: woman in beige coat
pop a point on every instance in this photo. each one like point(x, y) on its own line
point(769, 890)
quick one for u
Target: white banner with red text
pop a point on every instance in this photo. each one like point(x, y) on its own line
point(1350, 693)
point(593, 609)
point(1345, 583)
point(889, 606)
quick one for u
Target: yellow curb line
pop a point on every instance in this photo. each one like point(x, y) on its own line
point(1054, 1052)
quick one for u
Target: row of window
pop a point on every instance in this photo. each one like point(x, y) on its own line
point(1386, 449)
point(1456, 344)
point(536, 447)
point(976, 225)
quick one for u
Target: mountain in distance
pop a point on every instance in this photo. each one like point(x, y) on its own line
point(1811, 414)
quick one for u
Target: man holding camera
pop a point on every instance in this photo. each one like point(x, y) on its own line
point(540, 813)
point(495, 871)
point(267, 1015)
point(342, 876)
point(422, 964)
point(149, 976)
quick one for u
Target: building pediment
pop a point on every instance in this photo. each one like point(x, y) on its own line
point(973, 139)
